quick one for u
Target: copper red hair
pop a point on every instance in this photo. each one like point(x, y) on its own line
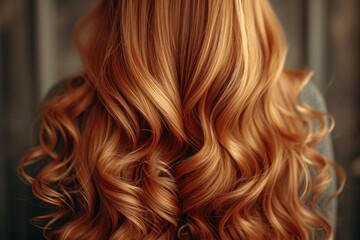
point(184, 124)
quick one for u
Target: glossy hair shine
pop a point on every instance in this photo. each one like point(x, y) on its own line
point(185, 125)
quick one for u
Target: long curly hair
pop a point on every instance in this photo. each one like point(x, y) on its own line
point(184, 125)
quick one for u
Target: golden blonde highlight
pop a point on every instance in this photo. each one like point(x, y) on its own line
point(185, 124)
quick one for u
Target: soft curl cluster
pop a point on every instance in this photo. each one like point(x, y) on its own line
point(184, 125)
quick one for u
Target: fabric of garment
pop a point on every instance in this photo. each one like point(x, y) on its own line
point(311, 95)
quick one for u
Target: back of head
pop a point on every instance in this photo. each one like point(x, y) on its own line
point(185, 124)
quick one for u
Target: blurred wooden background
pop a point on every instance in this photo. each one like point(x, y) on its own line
point(36, 51)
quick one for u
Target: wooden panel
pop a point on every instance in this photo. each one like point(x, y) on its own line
point(293, 18)
point(17, 106)
point(344, 103)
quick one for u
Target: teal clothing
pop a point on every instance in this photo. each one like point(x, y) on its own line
point(312, 96)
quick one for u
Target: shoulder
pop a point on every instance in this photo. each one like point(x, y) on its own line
point(56, 89)
point(312, 96)
point(61, 86)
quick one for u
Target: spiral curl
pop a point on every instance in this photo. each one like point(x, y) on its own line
point(185, 124)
